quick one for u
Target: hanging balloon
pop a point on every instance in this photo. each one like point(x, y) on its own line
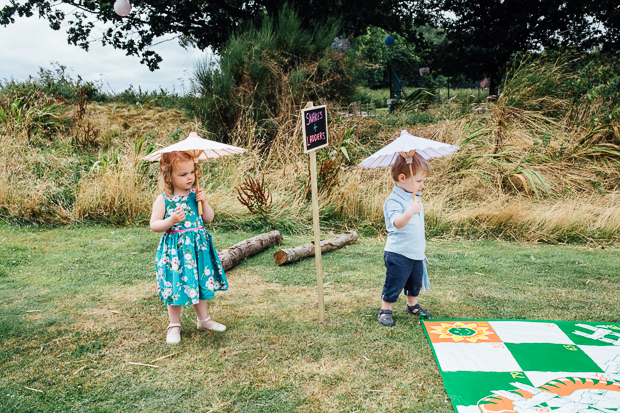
point(122, 7)
point(389, 41)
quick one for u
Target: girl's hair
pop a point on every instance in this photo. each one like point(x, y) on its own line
point(419, 164)
point(167, 165)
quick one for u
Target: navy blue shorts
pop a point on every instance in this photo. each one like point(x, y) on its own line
point(401, 273)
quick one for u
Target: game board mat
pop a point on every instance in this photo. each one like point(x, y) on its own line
point(528, 366)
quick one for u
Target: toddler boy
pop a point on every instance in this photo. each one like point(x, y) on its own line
point(405, 247)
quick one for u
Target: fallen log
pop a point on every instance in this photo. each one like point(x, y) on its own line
point(232, 256)
point(289, 255)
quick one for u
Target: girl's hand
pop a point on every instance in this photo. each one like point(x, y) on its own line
point(178, 215)
point(200, 195)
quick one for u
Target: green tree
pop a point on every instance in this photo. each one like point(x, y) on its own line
point(482, 35)
point(265, 72)
point(374, 57)
point(198, 22)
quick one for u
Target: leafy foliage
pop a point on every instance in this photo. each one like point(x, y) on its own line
point(483, 36)
point(266, 72)
point(55, 82)
point(196, 22)
point(598, 80)
point(404, 56)
point(375, 56)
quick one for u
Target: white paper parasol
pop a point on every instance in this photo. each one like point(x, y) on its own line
point(406, 145)
point(200, 149)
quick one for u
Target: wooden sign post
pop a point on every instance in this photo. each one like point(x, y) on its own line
point(314, 129)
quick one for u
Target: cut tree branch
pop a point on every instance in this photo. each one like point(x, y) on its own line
point(290, 255)
point(232, 256)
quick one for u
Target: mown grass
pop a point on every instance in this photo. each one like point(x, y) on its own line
point(379, 97)
point(57, 334)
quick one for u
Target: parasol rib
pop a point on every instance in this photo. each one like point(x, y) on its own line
point(377, 159)
point(439, 154)
point(394, 155)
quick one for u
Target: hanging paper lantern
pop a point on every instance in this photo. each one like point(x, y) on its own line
point(484, 83)
point(424, 71)
point(341, 45)
point(122, 7)
point(389, 41)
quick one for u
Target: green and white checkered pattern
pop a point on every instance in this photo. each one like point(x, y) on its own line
point(517, 357)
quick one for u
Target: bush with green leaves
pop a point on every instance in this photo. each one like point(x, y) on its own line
point(55, 82)
point(265, 72)
point(161, 98)
point(574, 78)
point(599, 79)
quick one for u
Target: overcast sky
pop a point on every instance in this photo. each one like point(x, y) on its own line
point(30, 43)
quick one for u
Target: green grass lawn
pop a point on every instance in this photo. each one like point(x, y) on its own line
point(58, 335)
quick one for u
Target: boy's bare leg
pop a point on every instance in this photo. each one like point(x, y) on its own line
point(386, 306)
point(411, 300)
point(174, 314)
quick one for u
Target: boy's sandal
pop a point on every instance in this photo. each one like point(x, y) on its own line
point(417, 310)
point(202, 325)
point(173, 338)
point(385, 318)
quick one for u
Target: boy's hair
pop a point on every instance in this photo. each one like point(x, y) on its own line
point(167, 164)
point(419, 164)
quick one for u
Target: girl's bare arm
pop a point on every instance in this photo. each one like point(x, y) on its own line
point(207, 211)
point(158, 223)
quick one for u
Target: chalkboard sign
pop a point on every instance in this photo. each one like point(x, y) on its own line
point(314, 128)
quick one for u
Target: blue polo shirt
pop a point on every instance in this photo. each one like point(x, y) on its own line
point(410, 240)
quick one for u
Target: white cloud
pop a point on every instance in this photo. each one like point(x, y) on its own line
point(30, 43)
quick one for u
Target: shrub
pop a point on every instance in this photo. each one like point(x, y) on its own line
point(264, 74)
point(598, 79)
point(160, 98)
point(55, 83)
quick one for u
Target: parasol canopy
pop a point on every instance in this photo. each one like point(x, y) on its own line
point(199, 148)
point(405, 145)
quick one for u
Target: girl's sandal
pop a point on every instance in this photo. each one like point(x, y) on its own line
point(173, 338)
point(202, 325)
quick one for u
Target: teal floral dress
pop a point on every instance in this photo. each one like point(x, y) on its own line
point(188, 268)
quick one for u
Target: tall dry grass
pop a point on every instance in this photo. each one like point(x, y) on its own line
point(46, 178)
point(531, 167)
point(27, 194)
point(118, 193)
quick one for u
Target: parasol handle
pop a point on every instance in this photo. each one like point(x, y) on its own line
point(195, 155)
point(409, 158)
point(411, 175)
